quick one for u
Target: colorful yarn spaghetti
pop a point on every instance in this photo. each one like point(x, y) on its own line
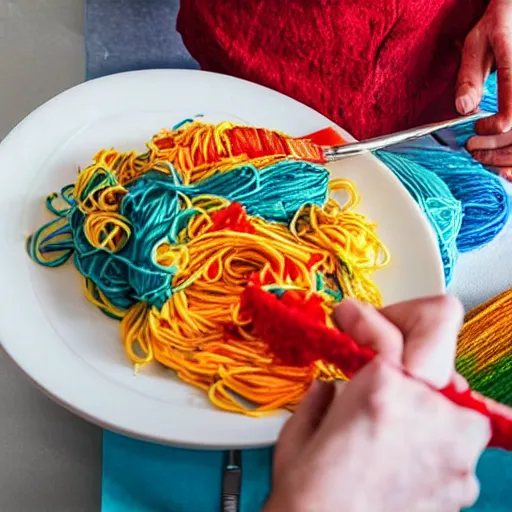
point(199, 150)
point(296, 333)
point(167, 240)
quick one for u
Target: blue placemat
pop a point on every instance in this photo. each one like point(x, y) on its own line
point(123, 35)
point(140, 476)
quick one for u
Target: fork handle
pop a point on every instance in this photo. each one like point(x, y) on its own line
point(231, 481)
point(332, 153)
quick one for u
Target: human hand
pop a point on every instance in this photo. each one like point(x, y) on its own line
point(385, 442)
point(488, 44)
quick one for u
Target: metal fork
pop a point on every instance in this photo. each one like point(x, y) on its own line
point(333, 153)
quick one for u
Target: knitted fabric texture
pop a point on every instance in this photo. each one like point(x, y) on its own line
point(372, 66)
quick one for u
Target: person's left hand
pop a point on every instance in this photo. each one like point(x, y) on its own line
point(489, 44)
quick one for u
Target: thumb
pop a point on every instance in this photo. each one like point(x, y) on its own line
point(368, 327)
point(475, 65)
point(303, 424)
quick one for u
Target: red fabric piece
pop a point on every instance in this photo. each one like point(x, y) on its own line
point(245, 141)
point(325, 137)
point(501, 425)
point(313, 260)
point(233, 218)
point(372, 66)
point(295, 332)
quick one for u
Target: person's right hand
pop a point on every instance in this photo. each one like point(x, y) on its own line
point(488, 44)
point(385, 442)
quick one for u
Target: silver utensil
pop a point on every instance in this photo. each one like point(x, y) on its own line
point(231, 481)
point(333, 153)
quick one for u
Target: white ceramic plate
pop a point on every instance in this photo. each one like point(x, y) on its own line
point(68, 347)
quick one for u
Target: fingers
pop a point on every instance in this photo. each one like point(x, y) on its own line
point(474, 435)
point(430, 328)
point(309, 413)
point(502, 122)
point(484, 142)
point(306, 419)
point(494, 407)
point(475, 66)
point(501, 157)
point(366, 396)
point(469, 491)
point(460, 383)
point(369, 328)
point(462, 492)
point(493, 151)
point(502, 49)
point(421, 335)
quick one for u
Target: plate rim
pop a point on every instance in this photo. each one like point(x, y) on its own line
point(38, 379)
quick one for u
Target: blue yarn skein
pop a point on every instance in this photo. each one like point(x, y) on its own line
point(433, 196)
point(485, 202)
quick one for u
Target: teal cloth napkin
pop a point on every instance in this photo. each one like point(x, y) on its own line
point(495, 474)
point(146, 477)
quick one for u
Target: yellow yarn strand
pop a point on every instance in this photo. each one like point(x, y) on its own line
point(199, 331)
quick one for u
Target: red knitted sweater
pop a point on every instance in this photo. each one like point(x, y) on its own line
point(372, 66)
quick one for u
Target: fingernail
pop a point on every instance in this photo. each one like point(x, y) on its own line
point(312, 392)
point(472, 144)
point(317, 389)
point(465, 104)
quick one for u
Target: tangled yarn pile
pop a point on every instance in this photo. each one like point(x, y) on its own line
point(168, 240)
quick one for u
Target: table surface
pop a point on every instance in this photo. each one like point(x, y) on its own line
point(49, 459)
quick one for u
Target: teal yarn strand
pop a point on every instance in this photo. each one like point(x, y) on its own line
point(274, 193)
point(485, 202)
point(433, 196)
point(129, 275)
